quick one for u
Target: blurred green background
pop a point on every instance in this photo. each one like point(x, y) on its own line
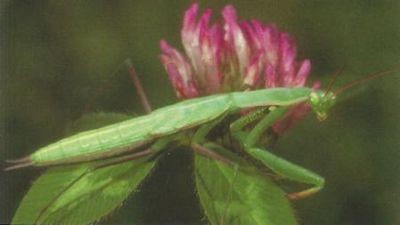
point(59, 58)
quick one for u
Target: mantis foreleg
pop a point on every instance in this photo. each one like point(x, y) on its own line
point(239, 124)
point(264, 124)
point(268, 118)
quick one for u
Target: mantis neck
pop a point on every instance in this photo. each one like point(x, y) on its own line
point(272, 96)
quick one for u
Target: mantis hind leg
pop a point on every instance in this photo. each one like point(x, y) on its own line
point(290, 171)
point(206, 151)
point(136, 82)
point(139, 87)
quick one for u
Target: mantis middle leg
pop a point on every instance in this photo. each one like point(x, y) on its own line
point(288, 170)
point(277, 164)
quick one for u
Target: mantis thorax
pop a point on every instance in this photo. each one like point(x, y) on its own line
point(321, 102)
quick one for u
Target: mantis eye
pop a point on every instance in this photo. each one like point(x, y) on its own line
point(314, 98)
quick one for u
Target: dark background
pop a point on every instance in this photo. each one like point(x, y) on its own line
point(60, 57)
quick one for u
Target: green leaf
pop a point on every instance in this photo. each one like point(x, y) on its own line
point(239, 193)
point(66, 195)
point(81, 194)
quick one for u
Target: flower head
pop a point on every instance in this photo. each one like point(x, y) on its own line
point(234, 56)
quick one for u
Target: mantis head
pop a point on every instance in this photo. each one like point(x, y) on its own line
point(321, 102)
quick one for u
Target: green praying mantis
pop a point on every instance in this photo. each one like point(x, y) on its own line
point(189, 123)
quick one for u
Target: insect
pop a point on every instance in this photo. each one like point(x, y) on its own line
point(188, 123)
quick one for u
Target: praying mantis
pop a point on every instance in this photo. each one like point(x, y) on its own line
point(189, 123)
point(91, 157)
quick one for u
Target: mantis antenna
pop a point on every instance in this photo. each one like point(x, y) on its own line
point(333, 80)
point(364, 79)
